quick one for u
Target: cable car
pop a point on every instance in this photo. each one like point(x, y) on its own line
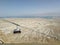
point(17, 30)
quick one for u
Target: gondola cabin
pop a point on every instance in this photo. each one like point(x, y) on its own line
point(17, 31)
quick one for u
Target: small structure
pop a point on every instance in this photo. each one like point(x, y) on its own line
point(1, 42)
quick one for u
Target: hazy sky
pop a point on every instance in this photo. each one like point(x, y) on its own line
point(29, 7)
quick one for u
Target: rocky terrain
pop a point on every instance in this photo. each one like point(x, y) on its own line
point(38, 30)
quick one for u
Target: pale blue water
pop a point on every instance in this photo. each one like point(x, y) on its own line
point(48, 17)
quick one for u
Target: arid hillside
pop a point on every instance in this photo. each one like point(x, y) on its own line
point(32, 30)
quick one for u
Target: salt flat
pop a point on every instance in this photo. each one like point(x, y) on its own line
point(38, 30)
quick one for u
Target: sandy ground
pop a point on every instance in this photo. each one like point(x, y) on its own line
point(36, 30)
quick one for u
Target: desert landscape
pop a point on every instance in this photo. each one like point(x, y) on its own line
point(33, 30)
